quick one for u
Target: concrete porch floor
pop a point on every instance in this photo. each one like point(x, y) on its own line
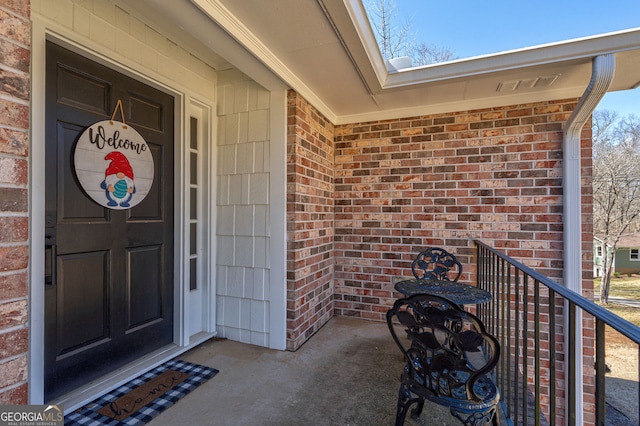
point(346, 374)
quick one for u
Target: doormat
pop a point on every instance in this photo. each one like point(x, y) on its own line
point(143, 398)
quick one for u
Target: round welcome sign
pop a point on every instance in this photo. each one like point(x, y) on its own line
point(114, 164)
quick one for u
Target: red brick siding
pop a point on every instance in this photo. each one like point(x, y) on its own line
point(444, 180)
point(402, 185)
point(588, 335)
point(15, 41)
point(309, 221)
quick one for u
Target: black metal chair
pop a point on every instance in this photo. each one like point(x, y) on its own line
point(449, 358)
point(436, 264)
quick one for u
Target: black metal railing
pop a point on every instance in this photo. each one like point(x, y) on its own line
point(545, 329)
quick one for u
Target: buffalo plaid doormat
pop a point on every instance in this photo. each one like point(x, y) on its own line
point(143, 398)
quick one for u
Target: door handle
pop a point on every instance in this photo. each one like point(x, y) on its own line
point(50, 259)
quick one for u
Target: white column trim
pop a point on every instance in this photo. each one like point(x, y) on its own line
point(278, 221)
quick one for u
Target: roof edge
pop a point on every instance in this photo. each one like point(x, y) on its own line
point(567, 50)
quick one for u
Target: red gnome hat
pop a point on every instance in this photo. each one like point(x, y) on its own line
point(119, 164)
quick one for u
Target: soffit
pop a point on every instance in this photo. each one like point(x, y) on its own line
point(318, 48)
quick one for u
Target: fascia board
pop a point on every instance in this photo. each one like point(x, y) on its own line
point(563, 51)
point(587, 47)
point(360, 21)
point(456, 106)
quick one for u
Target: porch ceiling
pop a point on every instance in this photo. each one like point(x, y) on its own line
point(314, 46)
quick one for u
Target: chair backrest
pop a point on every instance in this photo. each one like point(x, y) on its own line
point(446, 348)
point(436, 264)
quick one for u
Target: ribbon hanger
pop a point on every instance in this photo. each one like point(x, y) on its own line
point(115, 110)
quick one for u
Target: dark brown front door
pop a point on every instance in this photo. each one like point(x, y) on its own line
point(108, 273)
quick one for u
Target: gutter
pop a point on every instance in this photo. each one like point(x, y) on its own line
point(602, 73)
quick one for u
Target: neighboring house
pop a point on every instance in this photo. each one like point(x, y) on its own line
point(627, 258)
point(294, 175)
point(598, 257)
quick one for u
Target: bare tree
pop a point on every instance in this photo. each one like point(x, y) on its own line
point(396, 39)
point(425, 54)
point(616, 184)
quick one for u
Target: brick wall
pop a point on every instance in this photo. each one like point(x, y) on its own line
point(310, 156)
point(444, 180)
point(588, 322)
point(15, 41)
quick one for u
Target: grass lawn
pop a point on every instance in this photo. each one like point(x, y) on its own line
point(628, 288)
point(629, 313)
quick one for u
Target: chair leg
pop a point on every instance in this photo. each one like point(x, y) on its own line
point(418, 410)
point(404, 403)
point(495, 420)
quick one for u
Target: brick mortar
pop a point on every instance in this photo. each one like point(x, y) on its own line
point(14, 186)
point(426, 185)
point(310, 158)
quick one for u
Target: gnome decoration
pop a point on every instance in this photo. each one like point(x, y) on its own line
point(114, 165)
point(118, 180)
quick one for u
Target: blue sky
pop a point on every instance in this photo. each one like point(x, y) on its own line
point(473, 27)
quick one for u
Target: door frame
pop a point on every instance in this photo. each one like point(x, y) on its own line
point(41, 32)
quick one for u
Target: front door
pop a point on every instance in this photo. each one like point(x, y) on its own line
point(108, 273)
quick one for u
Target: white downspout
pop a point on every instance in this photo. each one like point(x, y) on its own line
point(601, 77)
